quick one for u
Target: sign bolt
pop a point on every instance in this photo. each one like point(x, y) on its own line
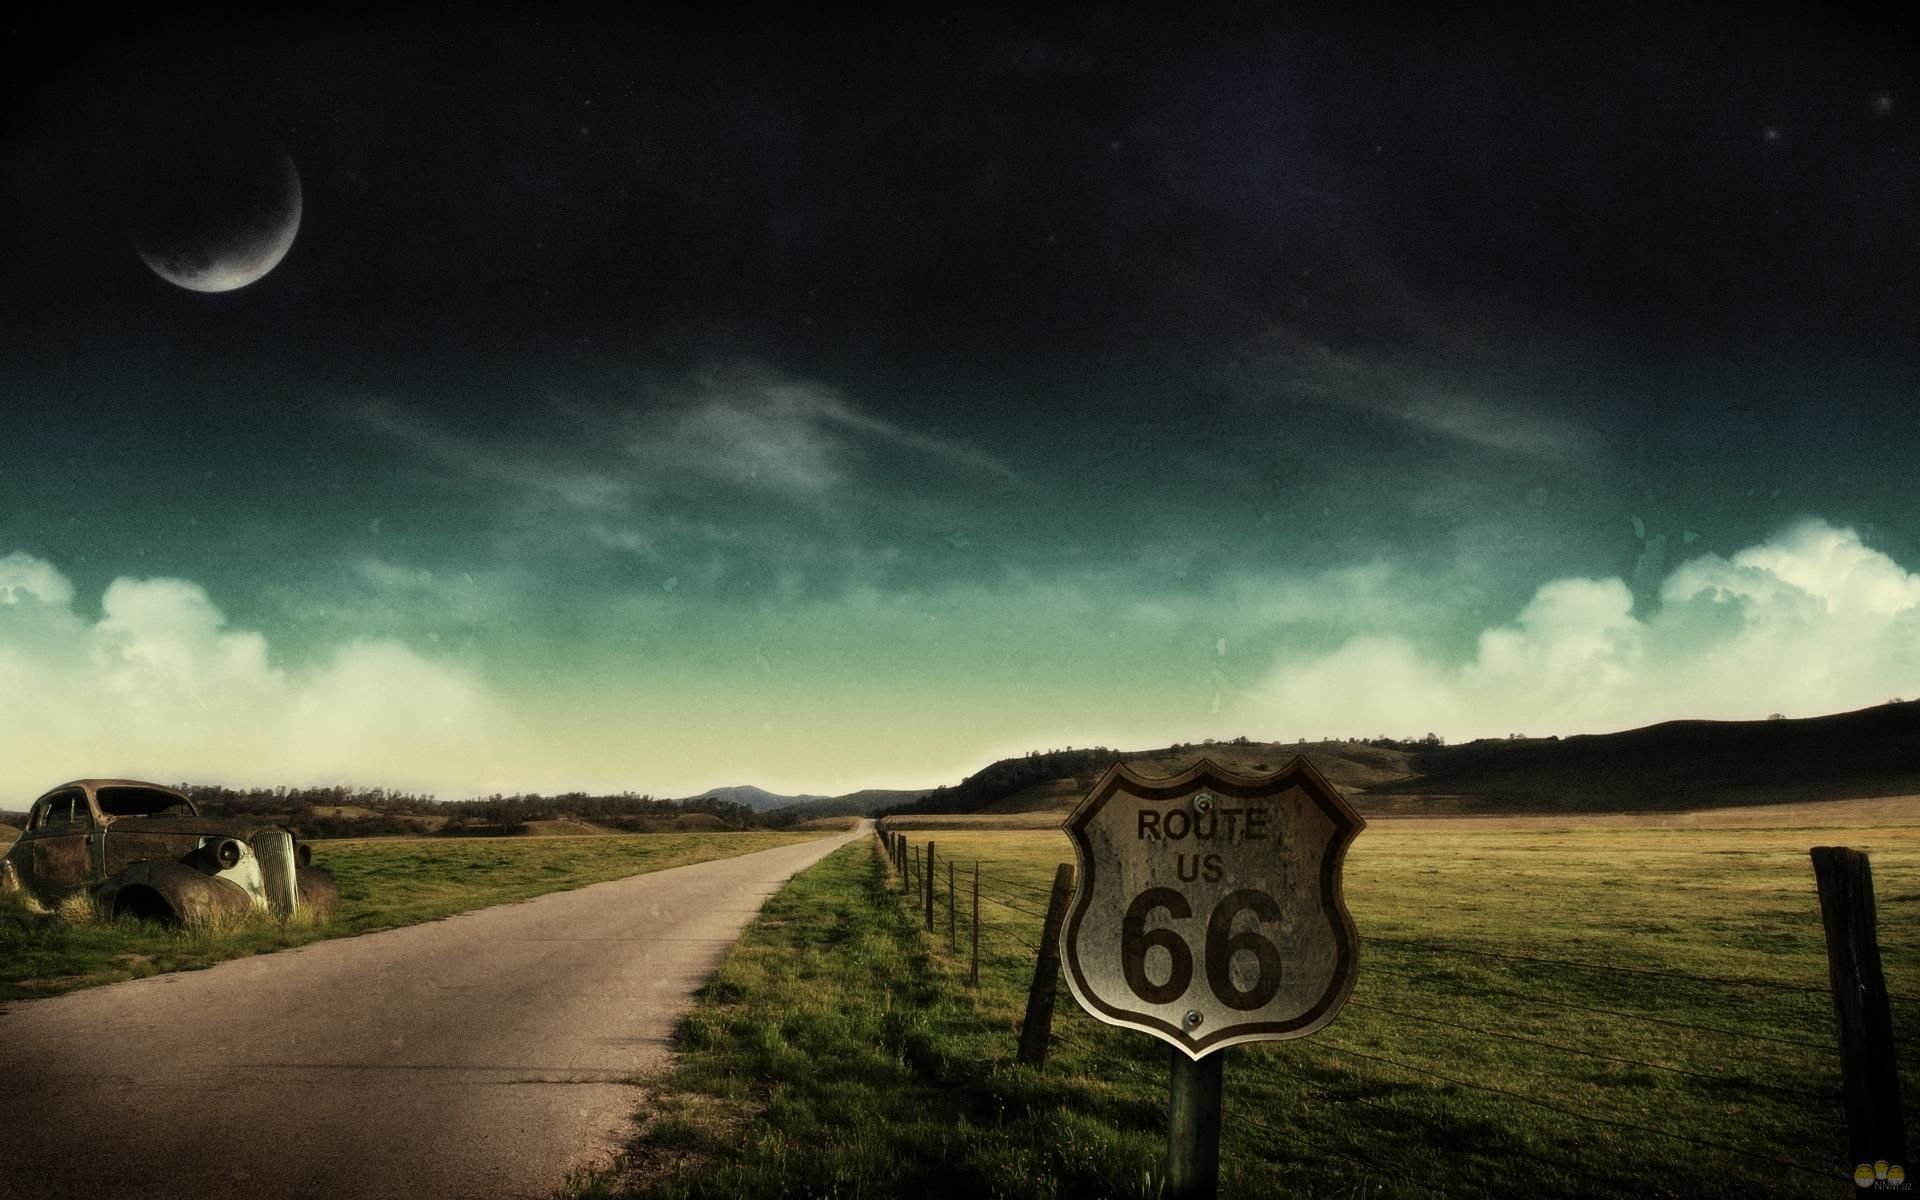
point(1192, 1019)
point(1203, 803)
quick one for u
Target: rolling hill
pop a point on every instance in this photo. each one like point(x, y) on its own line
point(757, 799)
point(1667, 767)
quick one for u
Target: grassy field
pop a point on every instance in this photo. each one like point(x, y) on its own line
point(384, 882)
point(1554, 1007)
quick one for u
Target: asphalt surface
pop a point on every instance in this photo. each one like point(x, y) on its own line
point(485, 1055)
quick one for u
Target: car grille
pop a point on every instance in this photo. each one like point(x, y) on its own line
point(274, 849)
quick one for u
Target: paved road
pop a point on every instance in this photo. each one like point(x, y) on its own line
point(480, 1056)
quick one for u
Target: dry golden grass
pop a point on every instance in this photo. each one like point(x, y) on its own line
point(828, 823)
point(1049, 819)
point(1403, 817)
point(1839, 815)
point(565, 827)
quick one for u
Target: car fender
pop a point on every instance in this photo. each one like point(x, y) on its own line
point(172, 891)
point(319, 894)
point(9, 876)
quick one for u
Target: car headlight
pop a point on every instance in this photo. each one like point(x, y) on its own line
point(303, 854)
point(227, 854)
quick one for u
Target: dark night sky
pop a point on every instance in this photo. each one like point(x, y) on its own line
point(672, 402)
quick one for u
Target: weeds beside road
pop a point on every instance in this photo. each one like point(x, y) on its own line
point(837, 1052)
point(384, 883)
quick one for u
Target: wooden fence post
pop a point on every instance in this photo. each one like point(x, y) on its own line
point(928, 880)
point(1869, 1073)
point(973, 976)
point(953, 914)
point(1037, 1029)
point(1193, 1127)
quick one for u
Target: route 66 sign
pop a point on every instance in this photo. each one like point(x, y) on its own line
point(1209, 910)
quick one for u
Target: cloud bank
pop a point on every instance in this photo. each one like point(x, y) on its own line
point(158, 686)
point(1811, 621)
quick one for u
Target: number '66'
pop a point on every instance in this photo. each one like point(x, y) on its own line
point(1222, 945)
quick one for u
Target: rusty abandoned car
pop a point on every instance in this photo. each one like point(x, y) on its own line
point(142, 850)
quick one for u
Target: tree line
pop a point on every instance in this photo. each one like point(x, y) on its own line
point(306, 810)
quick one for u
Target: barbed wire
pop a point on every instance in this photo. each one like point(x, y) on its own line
point(1132, 1066)
point(992, 899)
point(1037, 889)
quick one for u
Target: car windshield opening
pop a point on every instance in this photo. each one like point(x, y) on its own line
point(139, 802)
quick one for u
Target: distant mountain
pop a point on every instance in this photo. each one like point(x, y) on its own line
point(853, 804)
point(758, 799)
point(1671, 766)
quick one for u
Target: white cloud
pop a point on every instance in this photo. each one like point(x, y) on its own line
point(160, 687)
point(1810, 621)
point(24, 577)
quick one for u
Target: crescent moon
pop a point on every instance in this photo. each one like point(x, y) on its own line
point(220, 217)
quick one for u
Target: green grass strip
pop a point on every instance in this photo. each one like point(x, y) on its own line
point(839, 1052)
point(384, 883)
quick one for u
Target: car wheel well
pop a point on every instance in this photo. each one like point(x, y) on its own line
point(144, 904)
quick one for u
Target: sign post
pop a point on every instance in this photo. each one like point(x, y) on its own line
point(1210, 914)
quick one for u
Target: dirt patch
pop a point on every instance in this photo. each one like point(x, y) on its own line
point(829, 823)
point(565, 827)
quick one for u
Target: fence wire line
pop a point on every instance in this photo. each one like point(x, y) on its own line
point(1487, 990)
point(1824, 1173)
point(1004, 931)
point(992, 899)
point(1501, 1035)
point(1608, 968)
point(1031, 887)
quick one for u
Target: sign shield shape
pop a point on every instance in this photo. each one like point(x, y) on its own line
point(1209, 911)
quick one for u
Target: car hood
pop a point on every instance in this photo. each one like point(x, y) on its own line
point(234, 827)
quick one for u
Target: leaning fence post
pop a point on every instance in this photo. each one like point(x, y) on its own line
point(928, 880)
point(973, 976)
point(1869, 1074)
point(953, 914)
point(1037, 1029)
